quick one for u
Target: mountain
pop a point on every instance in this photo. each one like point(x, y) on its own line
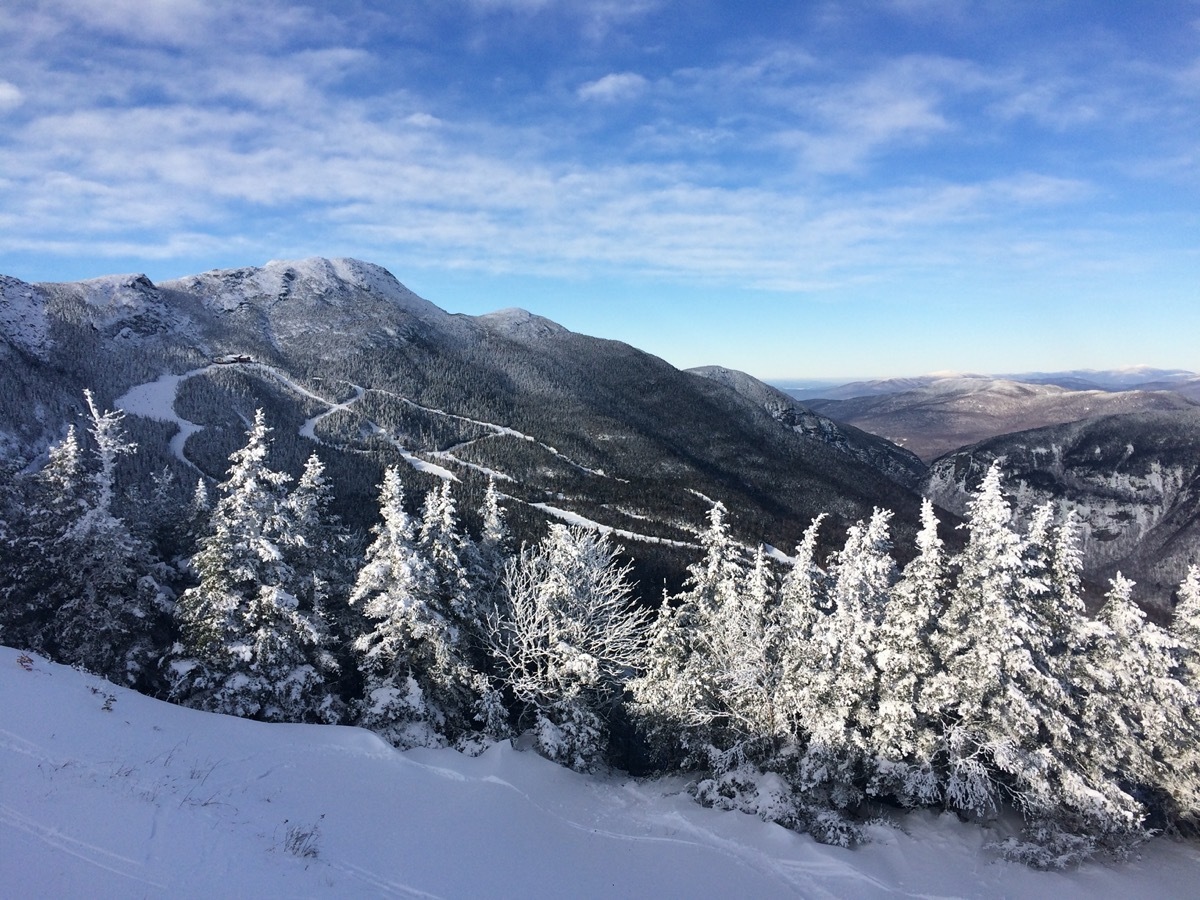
point(344, 358)
point(1133, 378)
point(897, 463)
point(944, 414)
point(1134, 480)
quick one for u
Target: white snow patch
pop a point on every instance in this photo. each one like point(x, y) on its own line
point(575, 519)
point(156, 400)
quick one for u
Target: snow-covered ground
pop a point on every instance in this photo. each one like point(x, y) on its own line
point(106, 793)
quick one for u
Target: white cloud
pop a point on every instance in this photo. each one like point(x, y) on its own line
point(10, 96)
point(614, 87)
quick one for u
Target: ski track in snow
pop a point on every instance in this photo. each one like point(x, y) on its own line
point(154, 800)
point(89, 853)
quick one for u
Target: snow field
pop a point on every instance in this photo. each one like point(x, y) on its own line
point(146, 799)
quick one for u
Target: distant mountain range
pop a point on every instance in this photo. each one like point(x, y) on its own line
point(932, 416)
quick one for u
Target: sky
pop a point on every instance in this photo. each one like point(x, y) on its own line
point(799, 190)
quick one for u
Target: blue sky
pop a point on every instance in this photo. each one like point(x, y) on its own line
point(840, 189)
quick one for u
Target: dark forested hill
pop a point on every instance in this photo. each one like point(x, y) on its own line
point(341, 356)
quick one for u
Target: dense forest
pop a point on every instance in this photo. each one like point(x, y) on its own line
point(816, 693)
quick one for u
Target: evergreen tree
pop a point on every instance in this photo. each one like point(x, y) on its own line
point(679, 700)
point(396, 590)
point(843, 694)
point(83, 589)
point(247, 647)
point(456, 686)
point(904, 736)
point(422, 687)
point(1185, 758)
point(803, 605)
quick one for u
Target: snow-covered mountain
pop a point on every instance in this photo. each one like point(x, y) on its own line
point(894, 461)
point(109, 794)
point(1133, 479)
point(342, 356)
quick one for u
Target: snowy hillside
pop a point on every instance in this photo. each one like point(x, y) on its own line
point(106, 793)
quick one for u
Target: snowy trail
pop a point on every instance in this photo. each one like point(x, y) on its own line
point(575, 519)
point(308, 429)
point(156, 400)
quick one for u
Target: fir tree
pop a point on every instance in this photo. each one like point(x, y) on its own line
point(843, 694)
point(904, 735)
point(247, 647)
point(679, 700)
point(84, 590)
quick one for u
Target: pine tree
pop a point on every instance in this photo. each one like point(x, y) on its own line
point(1185, 754)
point(82, 587)
point(395, 590)
point(803, 605)
point(456, 686)
point(569, 641)
point(247, 648)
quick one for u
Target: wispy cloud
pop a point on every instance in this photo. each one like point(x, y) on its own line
point(771, 166)
point(613, 87)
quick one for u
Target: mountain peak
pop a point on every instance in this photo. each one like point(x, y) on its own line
point(335, 281)
point(520, 324)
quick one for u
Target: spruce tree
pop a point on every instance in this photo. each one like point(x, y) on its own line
point(904, 734)
point(247, 647)
point(679, 700)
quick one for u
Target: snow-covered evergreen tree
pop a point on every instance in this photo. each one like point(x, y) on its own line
point(803, 605)
point(422, 684)
point(395, 589)
point(1185, 755)
point(1006, 715)
point(845, 677)
point(569, 640)
point(247, 647)
point(319, 551)
point(679, 700)
point(84, 589)
point(904, 735)
point(455, 685)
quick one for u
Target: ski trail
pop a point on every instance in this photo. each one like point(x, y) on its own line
point(156, 400)
point(308, 429)
point(496, 430)
point(89, 853)
point(575, 519)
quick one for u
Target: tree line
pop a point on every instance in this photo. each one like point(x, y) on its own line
point(813, 692)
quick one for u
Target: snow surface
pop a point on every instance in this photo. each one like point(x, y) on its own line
point(572, 518)
point(146, 799)
point(156, 400)
point(23, 315)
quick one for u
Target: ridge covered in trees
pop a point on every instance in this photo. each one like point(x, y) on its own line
point(812, 694)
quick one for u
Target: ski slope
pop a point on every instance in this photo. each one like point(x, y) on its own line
point(105, 793)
